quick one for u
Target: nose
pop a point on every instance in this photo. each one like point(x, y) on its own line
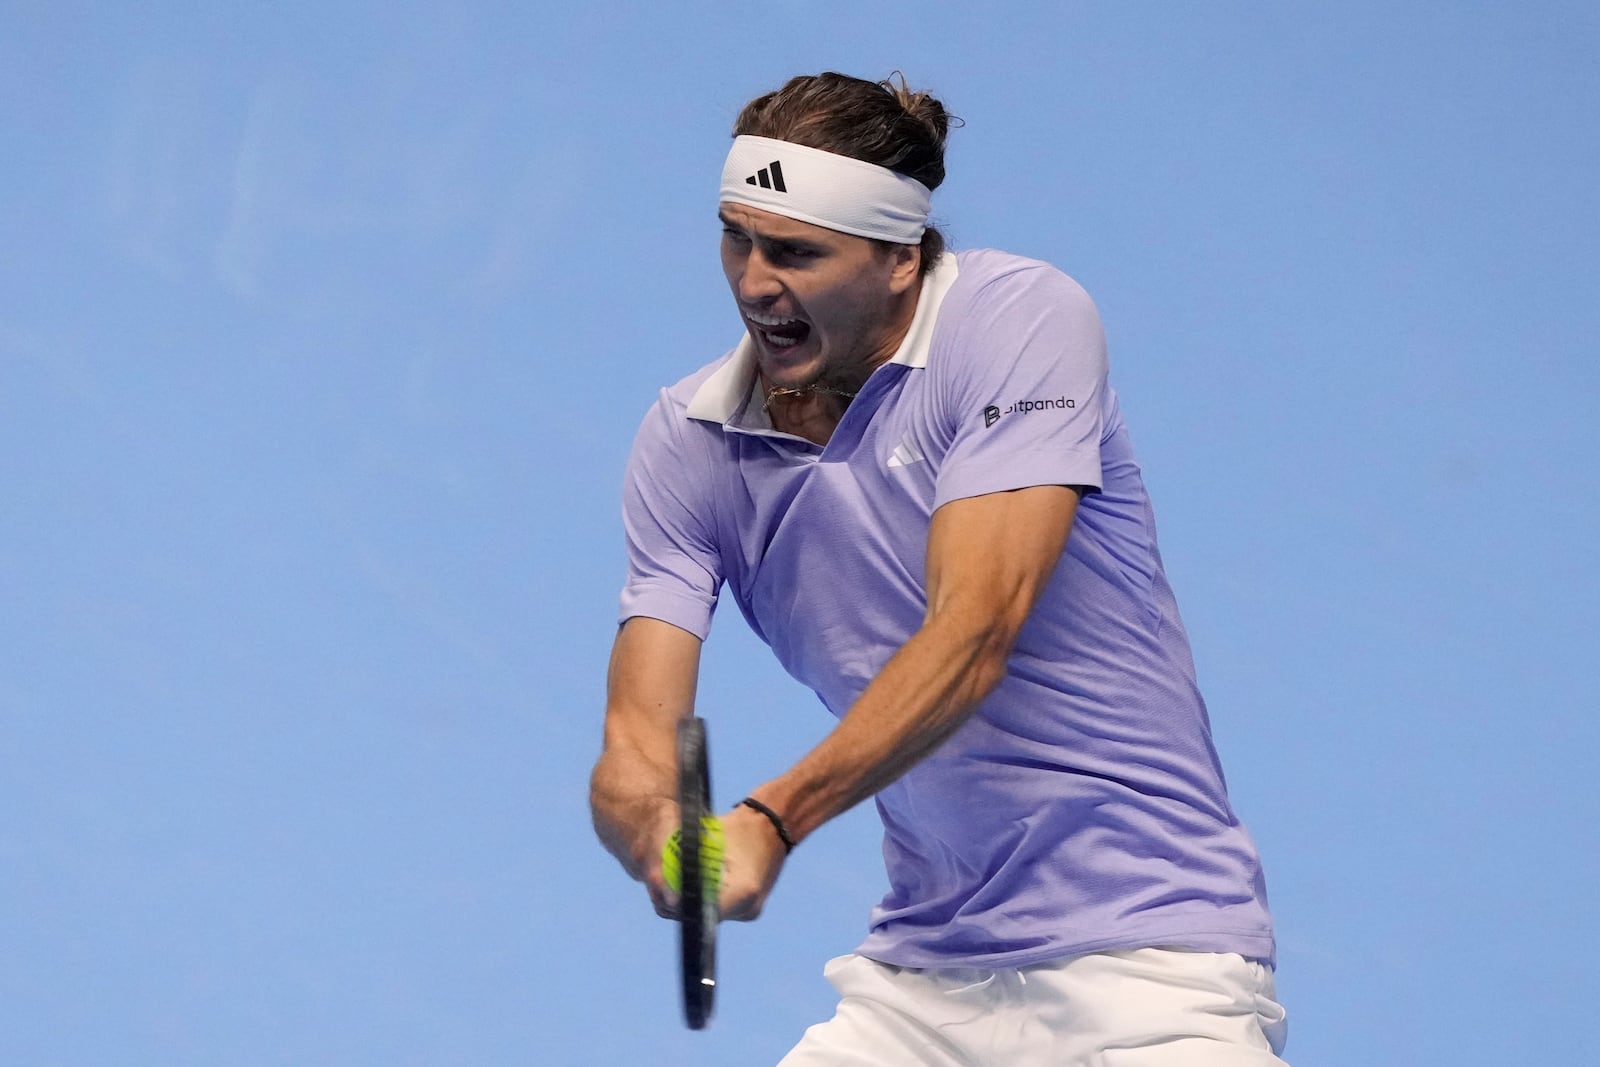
point(758, 282)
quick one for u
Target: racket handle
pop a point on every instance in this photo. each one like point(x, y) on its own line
point(712, 844)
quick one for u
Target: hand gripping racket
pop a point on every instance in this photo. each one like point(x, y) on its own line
point(693, 857)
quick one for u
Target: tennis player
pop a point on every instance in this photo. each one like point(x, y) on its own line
point(915, 481)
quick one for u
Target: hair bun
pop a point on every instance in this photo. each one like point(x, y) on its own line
point(924, 107)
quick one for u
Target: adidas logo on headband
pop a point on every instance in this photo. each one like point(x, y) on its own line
point(769, 177)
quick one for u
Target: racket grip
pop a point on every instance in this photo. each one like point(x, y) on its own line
point(712, 844)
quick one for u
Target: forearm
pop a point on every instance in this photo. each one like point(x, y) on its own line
point(631, 793)
point(650, 685)
point(920, 697)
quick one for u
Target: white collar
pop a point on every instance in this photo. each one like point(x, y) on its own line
point(733, 385)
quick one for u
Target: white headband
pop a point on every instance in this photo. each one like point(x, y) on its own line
point(838, 192)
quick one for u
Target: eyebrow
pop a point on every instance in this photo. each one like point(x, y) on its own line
point(733, 224)
point(796, 240)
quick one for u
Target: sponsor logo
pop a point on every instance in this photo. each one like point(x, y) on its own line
point(992, 414)
point(905, 454)
point(769, 177)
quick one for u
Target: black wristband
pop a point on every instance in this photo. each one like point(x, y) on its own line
point(774, 819)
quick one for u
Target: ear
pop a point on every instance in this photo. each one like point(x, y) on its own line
point(905, 267)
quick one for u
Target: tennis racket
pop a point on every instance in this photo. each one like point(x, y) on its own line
point(699, 861)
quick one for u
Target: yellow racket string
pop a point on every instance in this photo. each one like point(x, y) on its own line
point(711, 849)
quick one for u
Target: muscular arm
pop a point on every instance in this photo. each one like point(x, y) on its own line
point(633, 791)
point(989, 557)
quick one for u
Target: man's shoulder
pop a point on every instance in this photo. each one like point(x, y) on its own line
point(987, 273)
point(994, 287)
point(674, 403)
point(983, 265)
point(682, 391)
point(692, 407)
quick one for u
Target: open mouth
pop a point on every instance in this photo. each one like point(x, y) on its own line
point(779, 332)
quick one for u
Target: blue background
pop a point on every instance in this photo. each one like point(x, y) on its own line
point(324, 329)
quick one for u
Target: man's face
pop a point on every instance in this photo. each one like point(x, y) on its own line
point(820, 305)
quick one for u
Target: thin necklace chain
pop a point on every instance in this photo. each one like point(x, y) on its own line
point(787, 393)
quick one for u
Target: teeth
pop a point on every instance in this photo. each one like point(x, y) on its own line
point(768, 320)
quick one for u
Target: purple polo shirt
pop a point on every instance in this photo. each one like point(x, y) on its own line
point(1082, 807)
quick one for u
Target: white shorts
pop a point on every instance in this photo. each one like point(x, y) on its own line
point(1148, 1007)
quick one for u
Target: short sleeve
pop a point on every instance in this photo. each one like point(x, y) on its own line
point(1023, 384)
point(674, 568)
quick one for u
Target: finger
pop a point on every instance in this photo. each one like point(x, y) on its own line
point(663, 899)
point(662, 879)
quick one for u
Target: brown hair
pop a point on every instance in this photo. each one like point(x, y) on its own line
point(879, 122)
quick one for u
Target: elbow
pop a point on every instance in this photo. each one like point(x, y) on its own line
point(990, 652)
point(980, 638)
point(992, 670)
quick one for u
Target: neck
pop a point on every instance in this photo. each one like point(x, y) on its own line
point(782, 393)
point(809, 411)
